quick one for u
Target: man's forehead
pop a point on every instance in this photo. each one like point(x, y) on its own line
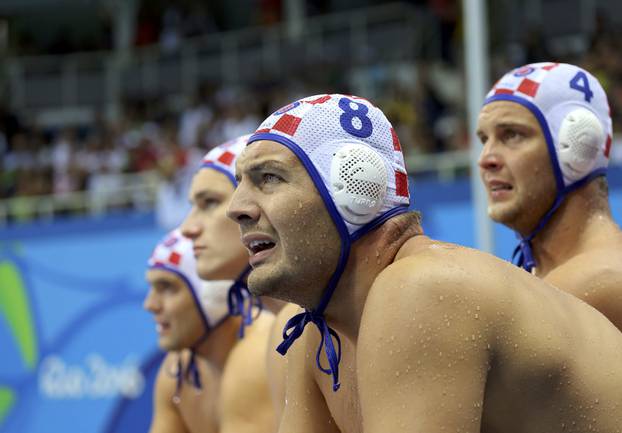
point(264, 151)
point(209, 180)
point(506, 112)
point(156, 275)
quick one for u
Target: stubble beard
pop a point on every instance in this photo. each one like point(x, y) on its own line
point(295, 284)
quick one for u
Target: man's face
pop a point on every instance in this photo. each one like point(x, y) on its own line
point(216, 239)
point(178, 322)
point(515, 165)
point(293, 243)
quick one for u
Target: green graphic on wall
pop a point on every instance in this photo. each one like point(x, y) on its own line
point(7, 398)
point(15, 307)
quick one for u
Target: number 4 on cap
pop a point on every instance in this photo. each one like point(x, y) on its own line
point(581, 83)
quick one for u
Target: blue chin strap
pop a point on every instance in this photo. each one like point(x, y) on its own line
point(296, 325)
point(523, 254)
point(191, 372)
point(241, 301)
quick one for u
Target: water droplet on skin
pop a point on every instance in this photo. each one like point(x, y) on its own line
point(440, 298)
point(397, 374)
point(476, 316)
point(296, 258)
point(392, 337)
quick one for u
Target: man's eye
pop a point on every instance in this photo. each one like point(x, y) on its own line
point(271, 178)
point(209, 203)
point(165, 288)
point(511, 134)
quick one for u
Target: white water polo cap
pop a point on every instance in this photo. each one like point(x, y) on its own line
point(222, 158)
point(174, 254)
point(355, 160)
point(351, 152)
point(572, 109)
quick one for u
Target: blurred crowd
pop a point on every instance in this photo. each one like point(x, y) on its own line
point(424, 101)
point(149, 136)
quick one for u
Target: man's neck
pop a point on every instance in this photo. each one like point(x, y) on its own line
point(216, 347)
point(580, 223)
point(368, 257)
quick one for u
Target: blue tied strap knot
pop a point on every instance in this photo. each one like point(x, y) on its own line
point(523, 255)
point(241, 302)
point(296, 326)
point(190, 374)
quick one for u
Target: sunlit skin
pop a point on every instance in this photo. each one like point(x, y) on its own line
point(178, 322)
point(514, 166)
point(219, 253)
point(580, 248)
point(435, 337)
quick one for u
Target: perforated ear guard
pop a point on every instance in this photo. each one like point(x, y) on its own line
point(358, 182)
point(579, 140)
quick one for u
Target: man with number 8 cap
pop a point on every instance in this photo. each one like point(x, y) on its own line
point(546, 134)
point(406, 333)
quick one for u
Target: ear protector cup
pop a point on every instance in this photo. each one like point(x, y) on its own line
point(358, 180)
point(579, 141)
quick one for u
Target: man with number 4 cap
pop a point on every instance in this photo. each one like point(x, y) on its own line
point(406, 333)
point(546, 134)
point(217, 383)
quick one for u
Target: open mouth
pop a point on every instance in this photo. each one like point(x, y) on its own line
point(162, 327)
point(257, 246)
point(500, 187)
point(497, 187)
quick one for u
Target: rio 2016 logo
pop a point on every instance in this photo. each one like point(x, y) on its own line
point(62, 359)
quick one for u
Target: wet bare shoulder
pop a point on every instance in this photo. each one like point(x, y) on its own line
point(445, 278)
point(595, 278)
point(427, 328)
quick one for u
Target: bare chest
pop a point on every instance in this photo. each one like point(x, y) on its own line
point(200, 408)
point(344, 404)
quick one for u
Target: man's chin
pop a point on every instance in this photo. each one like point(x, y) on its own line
point(168, 346)
point(265, 282)
point(501, 214)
